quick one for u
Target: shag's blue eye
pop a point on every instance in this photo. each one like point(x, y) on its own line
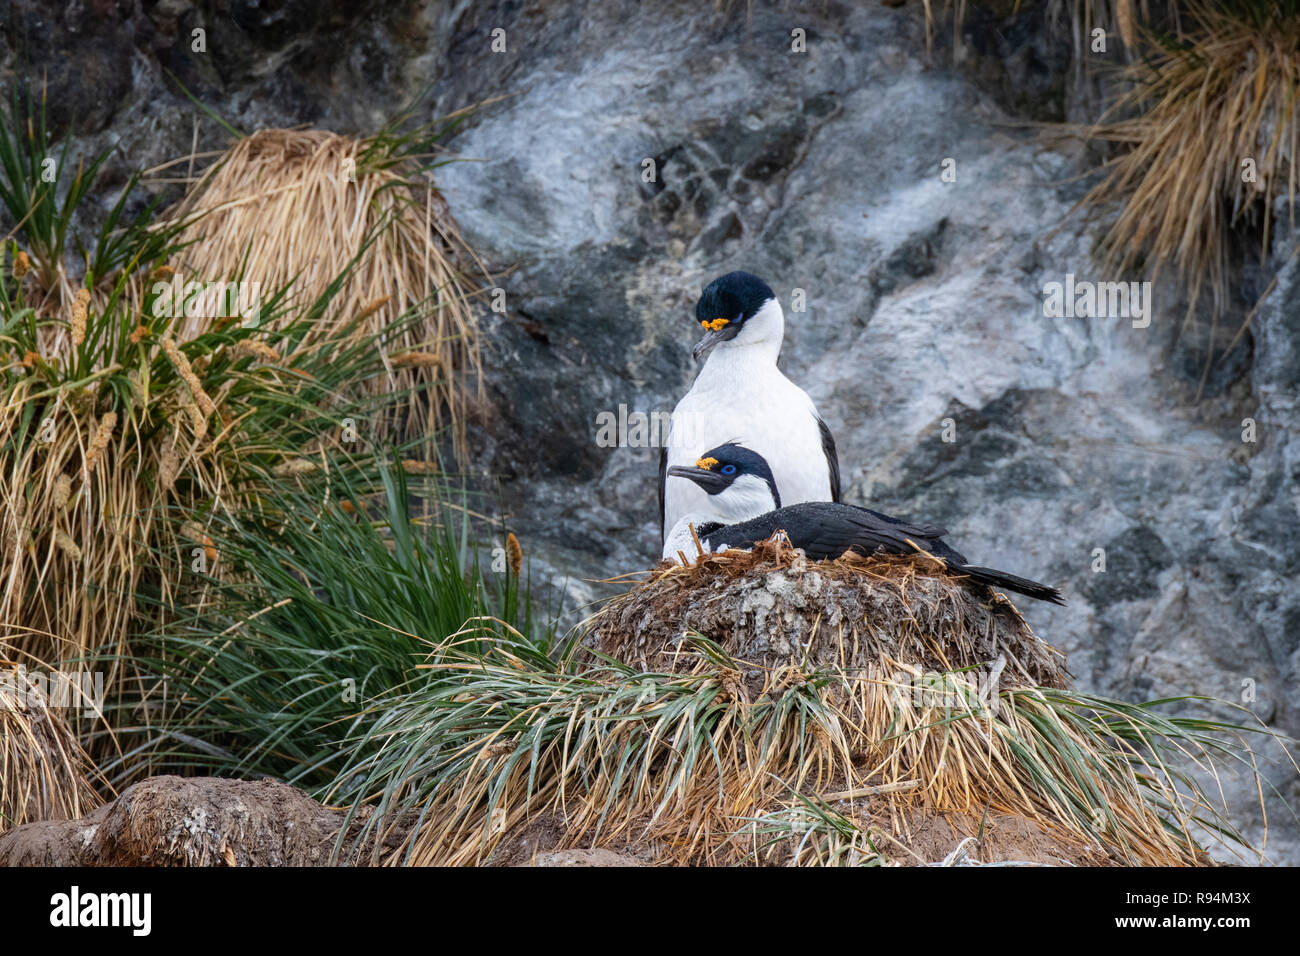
point(728, 469)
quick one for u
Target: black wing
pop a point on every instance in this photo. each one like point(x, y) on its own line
point(924, 530)
point(663, 476)
point(832, 458)
point(930, 533)
point(823, 530)
point(827, 530)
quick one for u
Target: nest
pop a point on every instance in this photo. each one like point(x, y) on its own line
point(872, 616)
point(860, 704)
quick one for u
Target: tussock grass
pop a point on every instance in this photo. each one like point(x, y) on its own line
point(811, 833)
point(719, 758)
point(107, 428)
point(1201, 86)
point(44, 773)
point(690, 764)
point(41, 190)
point(359, 652)
point(137, 431)
point(1219, 88)
point(294, 208)
point(327, 592)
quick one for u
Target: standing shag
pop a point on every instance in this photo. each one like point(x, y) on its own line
point(746, 497)
point(740, 395)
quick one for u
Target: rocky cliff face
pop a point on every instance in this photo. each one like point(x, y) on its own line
point(922, 338)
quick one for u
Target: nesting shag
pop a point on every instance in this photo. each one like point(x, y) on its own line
point(746, 508)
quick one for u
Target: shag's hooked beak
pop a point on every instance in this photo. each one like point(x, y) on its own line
point(710, 481)
point(721, 333)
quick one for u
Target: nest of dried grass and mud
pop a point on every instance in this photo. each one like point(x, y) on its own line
point(871, 616)
point(759, 708)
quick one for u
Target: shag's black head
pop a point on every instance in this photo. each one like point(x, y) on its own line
point(718, 468)
point(726, 304)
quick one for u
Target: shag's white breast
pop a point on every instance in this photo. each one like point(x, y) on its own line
point(754, 405)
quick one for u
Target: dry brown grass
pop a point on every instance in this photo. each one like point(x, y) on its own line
point(298, 206)
point(58, 537)
point(1202, 86)
point(1221, 91)
point(44, 773)
point(105, 433)
point(84, 514)
point(116, 415)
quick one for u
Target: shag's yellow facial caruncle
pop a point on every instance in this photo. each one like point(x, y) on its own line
point(708, 464)
point(725, 305)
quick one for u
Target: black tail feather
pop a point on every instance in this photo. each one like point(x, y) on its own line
point(1010, 582)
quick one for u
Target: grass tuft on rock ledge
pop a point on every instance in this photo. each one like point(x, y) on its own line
point(1207, 134)
point(714, 757)
point(125, 406)
point(255, 216)
point(108, 434)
